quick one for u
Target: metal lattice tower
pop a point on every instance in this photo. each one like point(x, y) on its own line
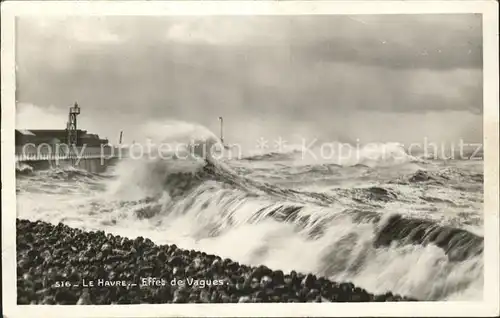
point(72, 127)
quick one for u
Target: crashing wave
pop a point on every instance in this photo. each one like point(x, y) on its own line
point(194, 198)
point(342, 155)
point(23, 169)
point(458, 244)
point(447, 175)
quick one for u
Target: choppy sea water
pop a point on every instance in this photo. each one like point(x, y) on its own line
point(328, 217)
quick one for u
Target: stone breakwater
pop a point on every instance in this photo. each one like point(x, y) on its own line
point(63, 265)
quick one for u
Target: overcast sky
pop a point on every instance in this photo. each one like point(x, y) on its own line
point(379, 77)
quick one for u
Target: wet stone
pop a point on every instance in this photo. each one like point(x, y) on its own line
point(266, 282)
point(175, 261)
point(65, 297)
point(232, 266)
point(278, 277)
point(308, 281)
point(161, 256)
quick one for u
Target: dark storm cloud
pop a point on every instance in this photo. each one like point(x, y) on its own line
point(399, 41)
point(272, 67)
point(432, 41)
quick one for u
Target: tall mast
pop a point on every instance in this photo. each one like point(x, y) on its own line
point(221, 129)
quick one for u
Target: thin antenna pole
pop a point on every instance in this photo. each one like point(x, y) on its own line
point(121, 136)
point(221, 129)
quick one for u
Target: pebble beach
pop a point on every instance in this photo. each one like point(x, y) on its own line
point(57, 264)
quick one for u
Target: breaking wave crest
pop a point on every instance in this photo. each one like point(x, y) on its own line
point(23, 169)
point(342, 154)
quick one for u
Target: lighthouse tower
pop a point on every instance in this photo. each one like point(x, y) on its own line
point(72, 127)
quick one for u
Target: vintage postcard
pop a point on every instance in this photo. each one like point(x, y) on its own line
point(250, 158)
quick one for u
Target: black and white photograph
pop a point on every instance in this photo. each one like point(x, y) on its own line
point(249, 158)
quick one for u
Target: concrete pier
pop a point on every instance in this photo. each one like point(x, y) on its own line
point(92, 159)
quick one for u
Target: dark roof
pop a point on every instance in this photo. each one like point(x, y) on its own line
point(25, 132)
point(53, 131)
point(56, 134)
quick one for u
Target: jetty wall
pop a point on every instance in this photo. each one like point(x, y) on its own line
point(92, 159)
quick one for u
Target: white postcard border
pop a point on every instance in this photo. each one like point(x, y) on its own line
point(489, 10)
